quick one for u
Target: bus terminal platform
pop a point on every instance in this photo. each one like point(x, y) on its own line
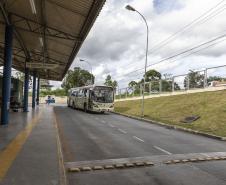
point(30, 149)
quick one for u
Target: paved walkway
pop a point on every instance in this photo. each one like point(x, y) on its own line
point(29, 149)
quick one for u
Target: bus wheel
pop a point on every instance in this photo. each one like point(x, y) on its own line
point(85, 107)
point(102, 112)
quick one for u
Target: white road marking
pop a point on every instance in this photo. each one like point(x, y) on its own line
point(111, 125)
point(137, 138)
point(96, 118)
point(162, 150)
point(103, 121)
point(123, 131)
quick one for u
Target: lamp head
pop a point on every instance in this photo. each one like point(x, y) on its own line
point(128, 7)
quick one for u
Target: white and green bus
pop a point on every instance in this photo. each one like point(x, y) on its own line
point(91, 98)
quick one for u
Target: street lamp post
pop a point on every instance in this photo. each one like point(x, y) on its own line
point(81, 60)
point(128, 7)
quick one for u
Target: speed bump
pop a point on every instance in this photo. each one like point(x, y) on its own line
point(124, 163)
point(129, 165)
point(109, 167)
point(149, 163)
point(139, 163)
point(86, 168)
point(193, 160)
point(98, 168)
point(73, 169)
point(119, 166)
point(184, 160)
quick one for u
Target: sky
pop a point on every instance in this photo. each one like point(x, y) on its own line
point(116, 43)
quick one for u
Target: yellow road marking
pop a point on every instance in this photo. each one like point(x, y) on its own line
point(8, 155)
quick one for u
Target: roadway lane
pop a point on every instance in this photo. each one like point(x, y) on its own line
point(87, 137)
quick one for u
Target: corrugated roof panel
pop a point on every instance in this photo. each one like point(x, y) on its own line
point(56, 31)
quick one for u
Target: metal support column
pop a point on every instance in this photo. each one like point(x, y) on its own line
point(26, 88)
point(34, 90)
point(38, 90)
point(6, 83)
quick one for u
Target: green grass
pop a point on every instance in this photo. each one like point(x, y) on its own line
point(210, 106)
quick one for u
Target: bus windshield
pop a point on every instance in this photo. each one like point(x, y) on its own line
point(103, 94)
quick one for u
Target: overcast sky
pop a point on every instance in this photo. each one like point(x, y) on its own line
point(116, 43)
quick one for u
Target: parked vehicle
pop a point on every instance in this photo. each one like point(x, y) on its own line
point(91, 98)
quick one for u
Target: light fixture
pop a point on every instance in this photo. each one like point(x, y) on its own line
point(128, 7)
point(33, 9)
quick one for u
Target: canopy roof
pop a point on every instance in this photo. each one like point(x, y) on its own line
point(47, 33)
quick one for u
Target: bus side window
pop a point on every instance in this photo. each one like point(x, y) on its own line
point(80, 93)
point(72, 93)
point(85, 92)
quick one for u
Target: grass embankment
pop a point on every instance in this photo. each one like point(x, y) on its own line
point(210, 106)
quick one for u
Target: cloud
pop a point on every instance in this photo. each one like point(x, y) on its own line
point(116, 43)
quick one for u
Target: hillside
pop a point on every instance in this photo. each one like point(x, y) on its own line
point(210, 106)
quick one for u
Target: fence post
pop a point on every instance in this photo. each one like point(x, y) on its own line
point(140, 90)
point(205, 78)
point(150, 88)
point(160, 86)
point(133, 91)
point(126, 92)
point(188, 83)
point(172, 84)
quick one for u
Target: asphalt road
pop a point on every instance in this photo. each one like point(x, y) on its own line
point(89, 137)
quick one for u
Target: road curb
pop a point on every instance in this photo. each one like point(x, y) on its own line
point(174, 127)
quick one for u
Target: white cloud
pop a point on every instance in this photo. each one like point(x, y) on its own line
point(116, 44)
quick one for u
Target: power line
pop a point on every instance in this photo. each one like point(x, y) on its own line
point(184, 52)
point(199, 20)
point(193, 22)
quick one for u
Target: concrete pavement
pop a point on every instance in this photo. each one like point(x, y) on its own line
point(89, 137)
point(31, 154)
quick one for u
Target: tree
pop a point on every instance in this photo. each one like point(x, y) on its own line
point(110, 82)
point(76, 78)
point(153, 75)
point(196, 80)
point(215, 78)
point(132, 84)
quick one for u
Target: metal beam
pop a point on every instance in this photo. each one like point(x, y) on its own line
point(34, 27)
point(26, 88)
point(38, 90)
point(18, 36)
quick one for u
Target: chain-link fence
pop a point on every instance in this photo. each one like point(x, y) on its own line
point(212, 78)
